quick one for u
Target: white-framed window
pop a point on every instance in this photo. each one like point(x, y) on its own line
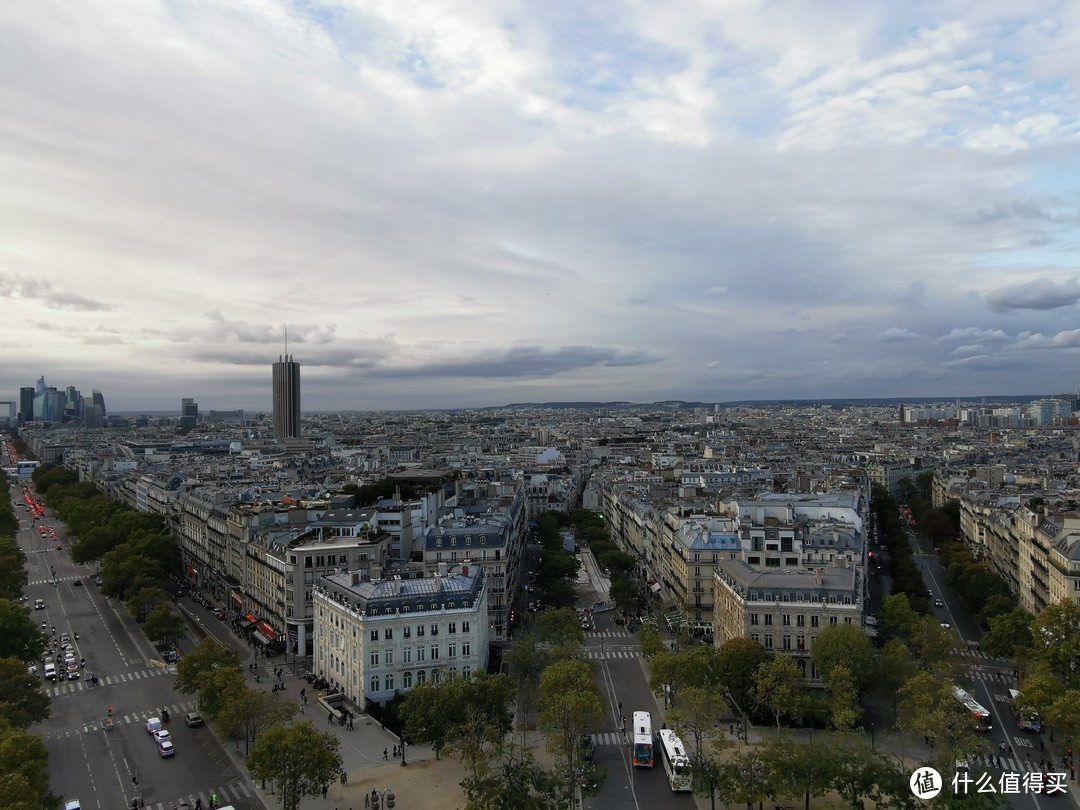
point(421, 677)
point(451, 650)
point(464, 627)
point(465, 649)
point(390, 681)
point(374, 683)
point(388, 656)
point(451, 627)
point(374, 658)
point(466, 673)
point(406, 655)
point(374, 635)
point(406, 680)
point(434, 652)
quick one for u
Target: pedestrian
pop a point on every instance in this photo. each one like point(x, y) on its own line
point(620, 707)
point(395, 750)
point(344, 778)
point(385, 755)
point(350, 723)
point(367, 800)
point(731, 729)
point(330, 718)
point(325, 790)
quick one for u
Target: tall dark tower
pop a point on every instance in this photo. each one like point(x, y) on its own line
point(286, 398)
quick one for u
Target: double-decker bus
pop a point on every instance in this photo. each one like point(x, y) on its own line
point(643, 748)
point(1027, 719)
point(676, 762)
point(979, 715)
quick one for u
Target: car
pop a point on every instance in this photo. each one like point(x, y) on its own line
point(77, 583)
point(945, 626)
point(938, 603)
point(165, 748)
point(50, 672)
point(65, 637)
point(193, 719)
point(59, 546)
point(39, 604)
point(162, 735)
point(73, 672)
point(72, 804)
point(153, 725)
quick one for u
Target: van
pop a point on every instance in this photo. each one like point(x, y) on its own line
point(50, 672)
point(153, 725)
point(72, 804)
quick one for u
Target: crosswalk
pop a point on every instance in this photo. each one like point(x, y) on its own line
point(81, 685)
point(235, 793)
point(607, 655)
point(1013, 764)
point(176, 712)
point(51, 580)
point(609, 738)
point(609, 634)
point(992, 677)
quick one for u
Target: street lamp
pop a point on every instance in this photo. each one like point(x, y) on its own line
point(872, 747)
point(753, 774)
point(403, 762)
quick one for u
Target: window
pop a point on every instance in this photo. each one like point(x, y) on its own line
point(419, 631)
point(465, 648)
point(421, 677)
point(388, 633)
point(451, 650)
point(407, 632)
point(787, 619)
point(434, 629)
point(792, 561)
point(800, 620)
point(464, 627)
point(406, 655)
point(832, 620)
point(451, 627)
point(787, 642)
point(847, 620)
point(768, 642)
point(390, 681)
point(483, 539)
point(754, 618)
point(374, 635)
point(813, 621)
point(434, 652)
point(453, 541)
point(466, 673)
point(768, 619)
point(438, 542)
point(374, 683)
point(753, 560)
point(755, 637)
point(419, 654)
point(375, 658)
point(388, 656)
point(406, 680)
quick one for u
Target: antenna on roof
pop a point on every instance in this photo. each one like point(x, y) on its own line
point(286, 328)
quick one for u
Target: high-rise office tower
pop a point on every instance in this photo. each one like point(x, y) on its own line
point(26, 404)
point(189, 412)
point(286, 398)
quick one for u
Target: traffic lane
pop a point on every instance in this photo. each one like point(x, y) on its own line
point(995, 696)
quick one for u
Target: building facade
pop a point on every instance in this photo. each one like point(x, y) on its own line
point(286, 398)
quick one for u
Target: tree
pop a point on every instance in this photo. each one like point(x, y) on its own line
point(24, 763)
point(737, 661)
point(12, 569)
point(848, 646)
point(1009, 635)
point(560, 626)
point(627, 594)
point(516, 781)
point(777, 687)
point(165, 625)
point(250, 711)
point(928, 706)
point(859, 774)
point(209, 654)
point(1064, 713)
point(1040, 688)
point(20, 637)
point(843, 697)
point(570, 705)
point(423, 712)
point(22, 702)
point(482, 719)
point(895, 667)
point(217, 687)
point(146, 599)
point(527, 659)
point(934, 648)
point(652, 642)
point(800, 769)
point(1055, 640)
point(298, 758)
point(699, 712)
point(896, 619)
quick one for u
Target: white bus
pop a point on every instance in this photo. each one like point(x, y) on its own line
point(980, 716)
point(643, 748)
point(676, 762)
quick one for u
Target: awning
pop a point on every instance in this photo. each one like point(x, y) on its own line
point(247, 622)
point(250, 618)
point(260, 637)
point(267, 631)
point(236, 600)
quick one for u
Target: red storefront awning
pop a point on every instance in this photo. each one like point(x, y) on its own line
point(250, 618)
point(236, 600)
point(267, 631)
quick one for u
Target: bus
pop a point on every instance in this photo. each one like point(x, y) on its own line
point(1027, 719)
point(676, 762)
point(643, 753)
point(981, 716)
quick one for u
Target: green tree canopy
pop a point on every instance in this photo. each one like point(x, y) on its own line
point(299, 758)
point(1009, 635)
point(22, 701)
point(12, 569)
point(778, 688)
point(928, 706)
point(251, 711)
point(737, 663)
point(165, 625)
point(208, 654)
point(570, 706)
point(1055, 640)
point(848, 646)
point(24, 763)
point(20, 636)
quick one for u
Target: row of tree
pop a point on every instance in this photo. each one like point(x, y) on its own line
point(592, 530)
point(295, 755)
point(135, 549)
point(24, 761)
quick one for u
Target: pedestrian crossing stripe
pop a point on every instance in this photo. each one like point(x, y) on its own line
point(70, 687)
point(613, 654)
point(232, 793)
point(176, 709)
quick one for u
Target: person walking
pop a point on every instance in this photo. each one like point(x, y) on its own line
point(385, 755)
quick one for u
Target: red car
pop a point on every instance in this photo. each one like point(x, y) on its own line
point(59, 546)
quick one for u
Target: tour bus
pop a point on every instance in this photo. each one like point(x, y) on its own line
point(676, 762)
point(643, 740)
point(1027, 719)
point(981, 716)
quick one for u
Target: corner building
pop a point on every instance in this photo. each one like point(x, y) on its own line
point(376, 638)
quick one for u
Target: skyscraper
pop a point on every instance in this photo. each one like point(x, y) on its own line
point(189, 412)
point(26, 404)
point(286, 398)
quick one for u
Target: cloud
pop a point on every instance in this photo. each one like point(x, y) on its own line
point(1038, 294)
point(527, 361)
point(896, 335)
point(31, 289)
point(973, 333)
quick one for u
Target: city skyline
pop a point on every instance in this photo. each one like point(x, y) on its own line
point(482, 203)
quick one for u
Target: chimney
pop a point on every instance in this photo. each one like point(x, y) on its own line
point(442, 569)
point(438, 583)
point(356, 578)
point(464, 570)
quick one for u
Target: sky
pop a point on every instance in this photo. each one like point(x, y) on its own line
point(466, 203)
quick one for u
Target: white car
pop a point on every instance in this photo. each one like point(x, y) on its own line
point(153, 725)
point(165, 748)
point(162, 735)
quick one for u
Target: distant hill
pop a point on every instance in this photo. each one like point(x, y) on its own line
point(776, 403)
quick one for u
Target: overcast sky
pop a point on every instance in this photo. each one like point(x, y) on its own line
point(479, 202)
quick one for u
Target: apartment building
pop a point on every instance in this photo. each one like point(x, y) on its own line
point(785, 610)
point(374, 638)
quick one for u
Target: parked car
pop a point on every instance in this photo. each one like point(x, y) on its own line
point(193, 719)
